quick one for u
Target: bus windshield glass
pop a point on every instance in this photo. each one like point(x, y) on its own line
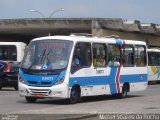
point(47, 55)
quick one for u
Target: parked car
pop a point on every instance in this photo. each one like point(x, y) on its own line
point(9, 74)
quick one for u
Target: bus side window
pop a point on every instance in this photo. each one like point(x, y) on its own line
point(82, 56)
point(8, 52)
point(99, 54)
point(140, 54)
point(12, 53)
point(114, 55)
point(127, 55)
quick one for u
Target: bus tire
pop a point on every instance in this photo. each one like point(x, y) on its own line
point(74, 96)
point(124, 93)
point(31, 99)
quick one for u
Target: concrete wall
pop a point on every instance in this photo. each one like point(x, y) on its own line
point(25, 30)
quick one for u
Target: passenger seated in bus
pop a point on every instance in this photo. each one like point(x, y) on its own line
point(101, 62)
point(114, 62)
point(94, 61)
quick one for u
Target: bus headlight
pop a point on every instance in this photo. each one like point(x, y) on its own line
point(61, 80)
point(21, 80)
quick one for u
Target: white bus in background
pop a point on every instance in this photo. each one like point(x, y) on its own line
point(12, 51)
point(70, 67)
point(153, 64)
point(11, 54)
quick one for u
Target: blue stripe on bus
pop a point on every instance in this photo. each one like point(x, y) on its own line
point(113, 88)
point(101, 80)
point(112, 81)
point(133, 78)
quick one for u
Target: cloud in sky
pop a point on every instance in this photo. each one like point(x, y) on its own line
point(143, 10)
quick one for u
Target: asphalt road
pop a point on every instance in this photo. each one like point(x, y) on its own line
point(145, 102)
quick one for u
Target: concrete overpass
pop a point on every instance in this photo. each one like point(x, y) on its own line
point(27, 29)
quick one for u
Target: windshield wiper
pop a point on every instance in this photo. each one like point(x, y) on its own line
point(42, 56)
point(42, 59)
point(48, 54)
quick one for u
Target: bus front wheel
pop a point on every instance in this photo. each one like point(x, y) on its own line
point(31, 99)
point(74, 95)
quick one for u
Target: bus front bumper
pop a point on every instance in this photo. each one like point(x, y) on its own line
point(57, 91)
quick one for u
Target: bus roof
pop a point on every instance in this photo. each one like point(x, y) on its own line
point(90, 39)
point(11, 43)
point(153, 50)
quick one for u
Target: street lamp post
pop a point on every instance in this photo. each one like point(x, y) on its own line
point(43, 16)
point(50, 14)
point(38, 12)
point(56, 12)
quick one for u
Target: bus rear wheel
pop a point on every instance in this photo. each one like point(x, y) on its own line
point(125, 90)
point(31, 99)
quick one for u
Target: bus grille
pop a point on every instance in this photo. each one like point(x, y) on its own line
point(39, 84)
point(43, 92)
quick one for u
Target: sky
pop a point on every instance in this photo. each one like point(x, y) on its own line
point(145, 11)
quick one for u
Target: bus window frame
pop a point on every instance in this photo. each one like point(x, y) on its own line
point(105, 58)
point(150, 61)
point(85, 66)
point(10, 52)
point(120, 58)
point(145, 57)
point(133, 48)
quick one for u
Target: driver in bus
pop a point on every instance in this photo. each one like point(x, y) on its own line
point(75, 61)
point(76, 58)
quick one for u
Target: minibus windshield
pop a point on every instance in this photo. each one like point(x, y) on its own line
point(46, 55)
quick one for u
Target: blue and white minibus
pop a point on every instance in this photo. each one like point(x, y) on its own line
point(70, 67)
